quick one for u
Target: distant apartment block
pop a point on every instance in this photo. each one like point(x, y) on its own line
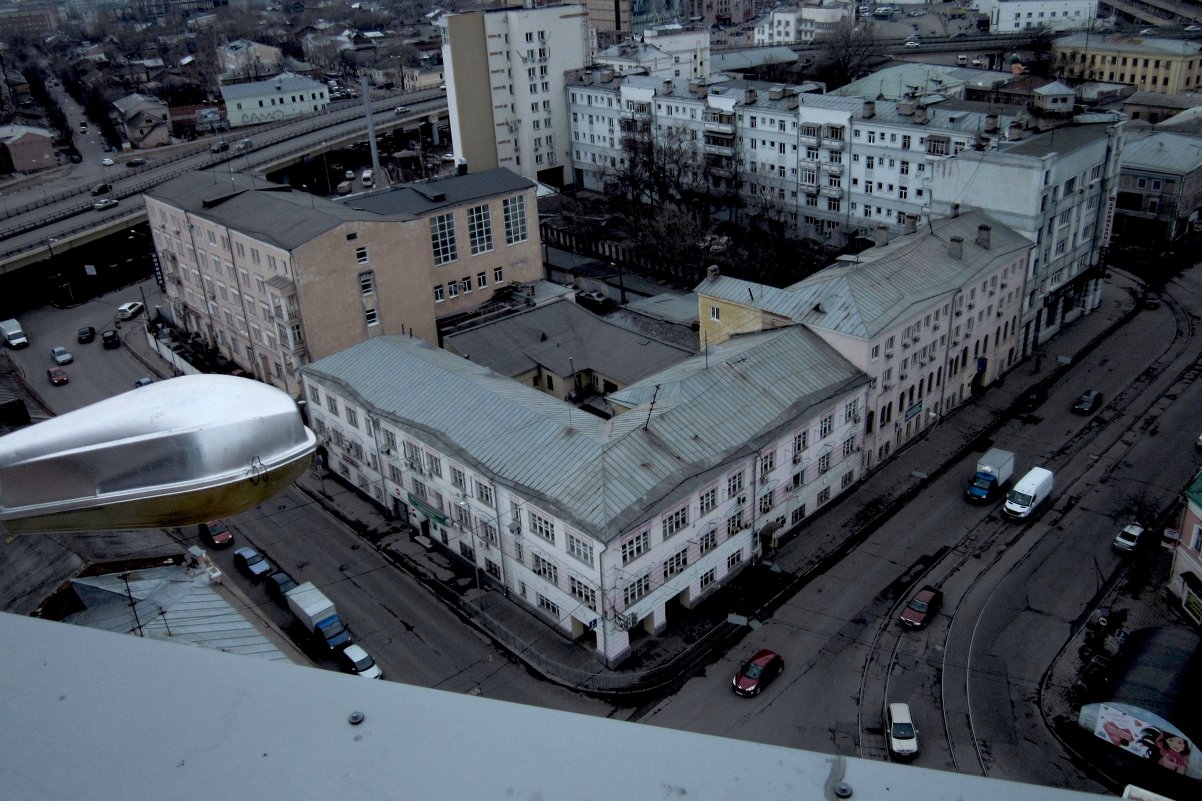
point(1151, 64)
point(274, 278)
point(1007, 16)
point(801, 24)
point(282, 97)
point(505, 86)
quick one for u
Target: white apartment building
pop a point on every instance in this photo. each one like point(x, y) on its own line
point(669, 51)
point(1007, 16)
point(804, 24)
point(505, 86)
point(284, 96)
point(931, 316)
point(601, 526)
point(1058, 190)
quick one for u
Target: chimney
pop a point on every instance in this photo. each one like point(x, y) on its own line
point(920, 113)
point(905, 108)
point(711, 272)
point(869, 109)
point(955, 211)
point(667, 88)
point(792, 101)
point(983, 235)
point(881, 235)
point(607, 76)
point(990, 123)
point(695, 87)
point(587, 78)
point(776, 93)
point(955, 247)
point(1014, 132)
point(749, 97)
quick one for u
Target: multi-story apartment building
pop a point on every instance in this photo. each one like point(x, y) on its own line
point(602, 526)
point(666, 51)
point(803, 24)
point(931, 316)
point(286, 95)
point(505, 86)
point(1058, 190)
point(613, 21)
point(1007, 16)
point(1186, 579)
point(1160, 187)
point(274, 278)
point(1165, 66)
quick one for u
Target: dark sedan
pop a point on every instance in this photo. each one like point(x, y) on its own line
point(922, 607)
point(85, 334)
point(757, 673)
point(251, 563)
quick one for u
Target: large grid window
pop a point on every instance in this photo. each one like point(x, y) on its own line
point(442, 238)
point(367, 282)
point(580, 549)
point(542, 527)
point(582, 592)
point(515, 220)
point(545, 568)
point(635, 547)
point(676, 563)
point(479, 229)
point(636, 589)
point(675, 521)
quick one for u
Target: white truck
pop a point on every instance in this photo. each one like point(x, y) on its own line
point(993, 471)
point(1030, 491)
point(14, 337)
point(317, 614)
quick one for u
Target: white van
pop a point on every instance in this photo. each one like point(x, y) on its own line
point(368, 177)
point(1030, 491)
point(899, 728)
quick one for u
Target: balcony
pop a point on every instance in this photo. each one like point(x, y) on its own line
point(720, 127)
point(832, 191)
point(833, 144)
point(833, 169)
point(719, 149)
point(808, 141)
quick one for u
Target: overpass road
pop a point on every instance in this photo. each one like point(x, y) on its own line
point(52, 224)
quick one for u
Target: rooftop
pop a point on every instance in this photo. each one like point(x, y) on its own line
point(284, 82)
point(1125, 43)
point(1168, 152)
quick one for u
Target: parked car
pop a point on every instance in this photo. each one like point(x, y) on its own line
point(1031, 400)
point(137, 161)
point(353, 659)
point(57, 376)
point(1151, 300)
point(130, 310)
point(85, 335)
point(75, 158)
point(912, 44)
point(278, 584)
point(110, 339)
point(899, 725)
point(251, 563)
point(101, 189)
point(245, 144)
point(219, 147)
point(1088, 403)
point(61, 355)
point(401, 110)
point(217, 534)
point(143, 381)
point(922, 607)
point(1128, 538)
point(757, 673)
point(106, 162)
point(104, 203)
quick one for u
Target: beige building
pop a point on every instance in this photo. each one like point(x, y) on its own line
point(26, 149)
point(505, 86)
point(144, 120)
point(274, 278)
point(1164, 66)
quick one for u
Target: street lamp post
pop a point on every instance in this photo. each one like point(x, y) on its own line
point(463, 504)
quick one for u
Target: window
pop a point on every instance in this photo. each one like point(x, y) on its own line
point(442, 238)
point(515, 220)
point(824, 463)
point(458, 478)
point(823, 496)
point(827, 425)
point(438, 294)
point(332, 404)
point(734, 484)
point(708, 577)
point(361, 255)
point(851, 410)
point(676, 563)
point(314, 394)
point(481, 280)
point(580, 549)
point(675, 521)
point(367, 282)
point(709, 541)
point(484, 492)
point(734, 559)
point(582, 592)
point(371, 317)
point(479, 229)
point(498, 275)
point(635, 547)
point(715, 313)
point(434, 465)
point(352, 417)
point(709, 500)
point(636, 589)
point(545, 569)
point(542, 527)
point(548, 606)
point(734, 523)
point(766, 501)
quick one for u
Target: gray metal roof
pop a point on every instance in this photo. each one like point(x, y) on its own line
point(756, 57)
point(1058, 140)
point(1182, 100)
point(423, 198)
point(1167, 152)
point(284, 82)
point(169, 604)
point(602, 476)
point(674, 307)
point(1128, 44)
point(550, 335)
point(887, 284)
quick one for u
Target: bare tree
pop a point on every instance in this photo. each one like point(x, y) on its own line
point(848, 50)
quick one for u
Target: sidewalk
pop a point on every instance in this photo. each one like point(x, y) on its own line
point(827, 535)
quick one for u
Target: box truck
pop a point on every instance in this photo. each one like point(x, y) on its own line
point(1030, 491)
point(993, 471)
point(317, 614)
point(14, 337)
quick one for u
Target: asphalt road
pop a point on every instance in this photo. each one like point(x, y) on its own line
point(1014, 591)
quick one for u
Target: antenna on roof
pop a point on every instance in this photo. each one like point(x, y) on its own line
point(651, 408)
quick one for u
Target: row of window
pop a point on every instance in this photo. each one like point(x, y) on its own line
point(464, 285)
point(442, 229)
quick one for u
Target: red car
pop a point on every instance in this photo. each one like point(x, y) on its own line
point(57, 376)
point(757, 673)
point(922, 607)
point(217, 534)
